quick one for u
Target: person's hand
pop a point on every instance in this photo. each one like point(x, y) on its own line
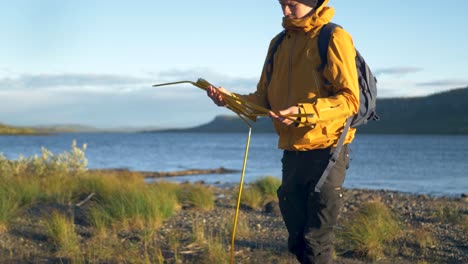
point(293, 110)
point(216, 96)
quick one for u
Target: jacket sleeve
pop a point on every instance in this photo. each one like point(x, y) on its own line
point(260, 96)
point(341, 72)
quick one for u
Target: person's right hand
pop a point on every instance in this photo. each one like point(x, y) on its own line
point(216, 96)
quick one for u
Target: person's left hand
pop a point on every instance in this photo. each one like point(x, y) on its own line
point(293, 110)
point(216, 96)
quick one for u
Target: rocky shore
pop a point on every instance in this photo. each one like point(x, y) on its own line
point(441, 221)
point(435, 230)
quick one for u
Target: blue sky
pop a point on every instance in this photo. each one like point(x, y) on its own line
point(93, 62)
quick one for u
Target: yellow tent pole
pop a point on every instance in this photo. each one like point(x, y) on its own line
point(239, 195)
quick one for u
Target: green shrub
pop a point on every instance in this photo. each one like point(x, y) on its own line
point(370, 231)
point(196, 196)
point(47, 177)
point(47, 164)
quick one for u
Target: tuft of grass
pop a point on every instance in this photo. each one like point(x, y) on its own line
point(242, 228)
point(174, 242)
point(99, 219)
point(61, 233)
point(128, 201)
point(267, 186)
point(252, 198)
point(198, 235)
point(422, 238)
point(372, 229)
point(449, 214)
point(215, 251)
point(464, 223)
point(196, 196)
point(260, 192)
point(9, 207)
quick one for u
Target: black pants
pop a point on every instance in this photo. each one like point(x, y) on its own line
point(310, 216)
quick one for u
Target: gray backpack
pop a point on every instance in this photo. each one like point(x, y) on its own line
point(367, 88)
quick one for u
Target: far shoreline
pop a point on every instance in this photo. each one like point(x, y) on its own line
point(152, 175)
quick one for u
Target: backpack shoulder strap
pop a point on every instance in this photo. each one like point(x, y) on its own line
point(323, 42)
point(269, 69)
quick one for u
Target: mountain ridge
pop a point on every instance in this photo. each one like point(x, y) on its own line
point(439, 113)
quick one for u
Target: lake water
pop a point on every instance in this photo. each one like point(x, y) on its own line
point(422, 164)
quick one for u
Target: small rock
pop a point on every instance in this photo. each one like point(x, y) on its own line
point(423, 197)
point(272, 208)
point(464, 197)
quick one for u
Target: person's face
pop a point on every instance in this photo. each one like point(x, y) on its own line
point(294, 9)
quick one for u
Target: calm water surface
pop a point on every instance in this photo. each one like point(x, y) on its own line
point(435, 165)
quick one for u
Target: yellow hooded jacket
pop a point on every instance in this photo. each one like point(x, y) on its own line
point(296, 80)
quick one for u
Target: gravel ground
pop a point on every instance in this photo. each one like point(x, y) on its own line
point(265, 238)
point(261, 235)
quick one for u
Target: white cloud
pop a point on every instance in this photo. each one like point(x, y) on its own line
point(453, 83)
point(68, 81)
point(397, 71)
point(109, 100)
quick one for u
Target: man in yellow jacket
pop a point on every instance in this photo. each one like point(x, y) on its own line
point(325, 98)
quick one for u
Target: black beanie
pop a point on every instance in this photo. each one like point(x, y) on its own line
point(311, 3)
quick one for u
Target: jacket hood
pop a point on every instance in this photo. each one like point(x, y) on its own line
point(320, 16)
point(321, 3)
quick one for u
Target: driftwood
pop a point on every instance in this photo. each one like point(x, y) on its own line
point(220, 170)
point(162, 174)
point(85, 200)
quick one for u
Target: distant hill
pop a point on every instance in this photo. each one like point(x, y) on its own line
point(72, 128)
point(441, 113)
point(11, 130)
point(227, 124)
point(65, 128)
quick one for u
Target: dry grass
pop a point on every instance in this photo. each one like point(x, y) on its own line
point(122, 201)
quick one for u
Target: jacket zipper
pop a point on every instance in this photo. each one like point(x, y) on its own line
point(289, 86)
point(314, 75)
